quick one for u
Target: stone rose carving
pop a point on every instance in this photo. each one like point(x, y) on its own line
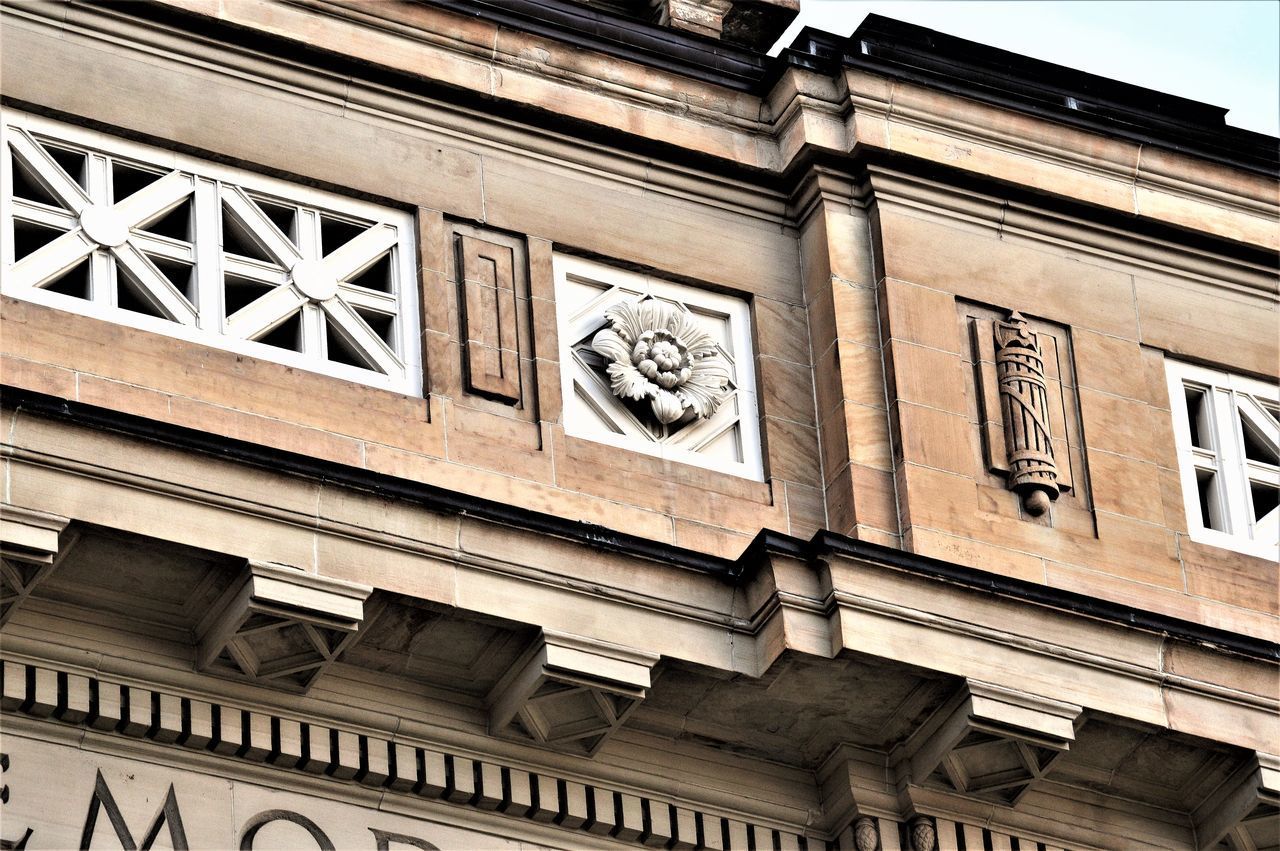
point(658, 352)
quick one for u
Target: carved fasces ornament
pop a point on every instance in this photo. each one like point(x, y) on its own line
point(1024, 404)
point(659, 353)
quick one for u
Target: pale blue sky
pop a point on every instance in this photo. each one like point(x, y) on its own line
point(1223, 52)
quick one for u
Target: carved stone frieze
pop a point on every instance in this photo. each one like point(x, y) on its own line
point(660, 354)
point(569, 693)
point(30, 544)
point(279, 626)
point(1024, 403)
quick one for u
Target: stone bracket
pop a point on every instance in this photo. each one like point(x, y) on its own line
point(569, 693)
point(1244, 812)
point(279, 626)
point(991, 742)
point(31, 543)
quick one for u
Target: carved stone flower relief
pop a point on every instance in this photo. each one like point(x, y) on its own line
point(659, 353)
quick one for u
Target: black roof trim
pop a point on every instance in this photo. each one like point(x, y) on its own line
point(974, 70)
point(767, 543)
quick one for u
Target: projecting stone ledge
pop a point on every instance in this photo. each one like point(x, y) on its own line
point(569, 693)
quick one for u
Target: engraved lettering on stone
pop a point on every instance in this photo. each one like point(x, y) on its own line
point(384, 838)
point(865, 835)
point(658, 353)
point(10, 844)
point(264, 818)
point(168, 816)
point(1024, 403)
point(923, 835)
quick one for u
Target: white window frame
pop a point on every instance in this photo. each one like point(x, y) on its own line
point(1224, 396)
point(397, 362)
point(620, 284)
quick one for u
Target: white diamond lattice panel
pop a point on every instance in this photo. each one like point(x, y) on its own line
point(145, 237)
point(606, 395)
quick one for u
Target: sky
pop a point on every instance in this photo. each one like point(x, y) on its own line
point(1223, 52)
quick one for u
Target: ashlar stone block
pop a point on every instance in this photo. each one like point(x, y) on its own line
point(569, 693)
point(279, 626)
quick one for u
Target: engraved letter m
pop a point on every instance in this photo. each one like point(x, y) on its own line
point(168, 815)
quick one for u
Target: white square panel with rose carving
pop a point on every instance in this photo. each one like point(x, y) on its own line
point(683, 389)
point(142, 236)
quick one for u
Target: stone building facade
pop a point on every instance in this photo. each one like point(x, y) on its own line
point(456, 424)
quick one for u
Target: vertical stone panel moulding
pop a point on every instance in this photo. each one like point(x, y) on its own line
point(488, 315)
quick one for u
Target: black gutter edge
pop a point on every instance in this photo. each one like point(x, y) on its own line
point(767, 543)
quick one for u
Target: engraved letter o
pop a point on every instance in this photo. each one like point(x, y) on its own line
point(262, 819)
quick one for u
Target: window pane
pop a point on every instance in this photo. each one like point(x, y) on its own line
point(1265, 499)
point(1210, 503)
point(1198, 418)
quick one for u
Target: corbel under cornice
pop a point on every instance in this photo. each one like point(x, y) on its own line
point(32, 545)
point(1243, 810)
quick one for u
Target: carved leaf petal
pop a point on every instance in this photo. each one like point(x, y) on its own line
point(626, 321)
point(667, 407)
point(608, 343)
point(626, 382)
point(690, 331)
point(705, 389)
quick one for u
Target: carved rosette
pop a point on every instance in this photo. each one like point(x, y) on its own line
point(924, 837)
point(658, 353)
point(1024, 403)
point(865, 836)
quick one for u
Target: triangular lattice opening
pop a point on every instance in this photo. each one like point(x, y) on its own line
point(74, 282)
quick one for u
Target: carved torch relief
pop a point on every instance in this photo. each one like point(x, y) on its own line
point(1024, 406)
point(1027, 415)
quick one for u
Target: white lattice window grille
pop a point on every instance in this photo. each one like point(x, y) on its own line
point(728, 439)
point(152, 239)
point(1227, 429)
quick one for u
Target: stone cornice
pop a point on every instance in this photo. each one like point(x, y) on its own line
point(819, 597)
point(681, 118)
point(743, 570)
